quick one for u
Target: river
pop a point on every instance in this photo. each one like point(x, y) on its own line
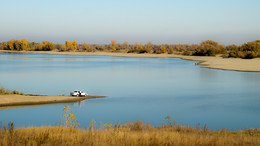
point(147, 89)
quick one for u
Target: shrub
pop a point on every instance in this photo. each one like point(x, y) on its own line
point(187, 53)
point(16, 92)
point(250, 55)
point(69, 119)
point(209, 48)
point(4, 91)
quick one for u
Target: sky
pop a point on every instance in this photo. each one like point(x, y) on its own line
point(158, 21)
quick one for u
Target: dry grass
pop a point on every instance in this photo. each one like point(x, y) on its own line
point(135, 133)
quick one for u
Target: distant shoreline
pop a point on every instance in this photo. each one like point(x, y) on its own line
point(13, 100)
point(233, 64)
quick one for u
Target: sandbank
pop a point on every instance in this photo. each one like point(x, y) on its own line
point(234, 64)
point(13, 100)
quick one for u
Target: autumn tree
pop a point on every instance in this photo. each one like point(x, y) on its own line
point(231, 47)
point(209, 48)
point(32, 46)
point(23, 44)
point(18, 45)
point(74, 45)
point(148, 46)
point(140, 46)
point(3, 45)
point(47, 46)
point(71, 45)
point(10, 44)
point(163, 49)
point(126, 46)
point(60, 47)
point(68, 45)
point(142, 49)
point(113, 45)
point(86, 46)
point(251, 49)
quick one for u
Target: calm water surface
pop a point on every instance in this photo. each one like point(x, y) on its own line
point(146, 89)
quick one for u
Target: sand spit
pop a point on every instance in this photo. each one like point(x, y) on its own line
point(13, 100)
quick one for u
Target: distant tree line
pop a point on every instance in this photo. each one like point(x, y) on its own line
point(205, 48)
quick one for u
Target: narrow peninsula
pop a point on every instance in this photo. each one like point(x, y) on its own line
point(14, 100)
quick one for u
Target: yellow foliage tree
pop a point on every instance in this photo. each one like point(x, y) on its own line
point(47, 46)
point(86, 46)
point(141, 46)
point(74, 45)
point(10, 44)
point(163, 49)
point(113, 45)
point(68, 45)
point(71, 45)
point(23, 43)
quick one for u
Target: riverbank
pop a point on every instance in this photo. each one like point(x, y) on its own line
point(13, 100)
point(218, 62)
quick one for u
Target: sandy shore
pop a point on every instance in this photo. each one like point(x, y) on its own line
point(12, 100)
point(235, 64)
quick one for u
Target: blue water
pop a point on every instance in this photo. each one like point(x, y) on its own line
point(147, 89)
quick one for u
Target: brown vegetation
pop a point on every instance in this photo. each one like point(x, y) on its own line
point(209, 48)
point(247, 51)
point(4, 91)
point(136, 133)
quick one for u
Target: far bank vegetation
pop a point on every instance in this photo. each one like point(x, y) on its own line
point(4, 91)
point(205, 48)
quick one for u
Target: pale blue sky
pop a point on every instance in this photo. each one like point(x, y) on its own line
point(160, 21)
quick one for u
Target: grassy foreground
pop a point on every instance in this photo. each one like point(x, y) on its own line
point(136, 133)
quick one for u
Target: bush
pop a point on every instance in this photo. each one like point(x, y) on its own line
point(209, 48)
point(16, 92)
point(250, 55)
point(187, 53)
point(4, 91)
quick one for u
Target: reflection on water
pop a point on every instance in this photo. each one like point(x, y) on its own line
point(80, 103)
point(145, 89)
